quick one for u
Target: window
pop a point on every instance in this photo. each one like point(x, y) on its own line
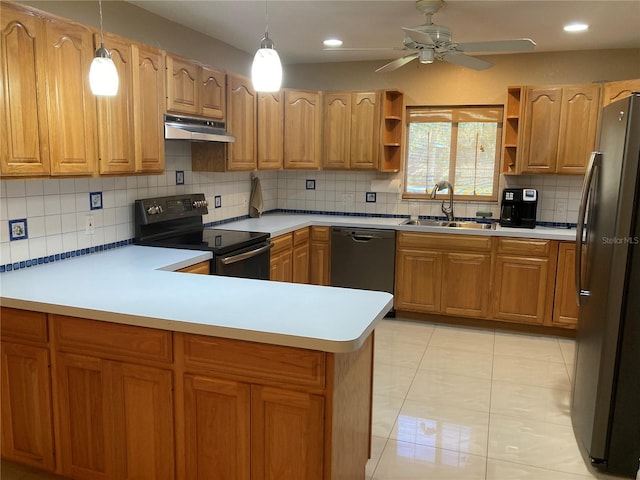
point(458, 144)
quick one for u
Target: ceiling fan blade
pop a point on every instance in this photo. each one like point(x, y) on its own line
point(397, 63)
point(520, 45)
point(465, 61)
point(362, 49)
point(418, 36)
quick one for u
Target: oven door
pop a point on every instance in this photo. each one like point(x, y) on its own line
point(249, 262)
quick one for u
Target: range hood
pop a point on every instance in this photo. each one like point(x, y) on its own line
point(195, 130)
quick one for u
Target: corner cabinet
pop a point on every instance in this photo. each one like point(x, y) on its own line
point(45, 91)
point(302, 129)
point(559, 128)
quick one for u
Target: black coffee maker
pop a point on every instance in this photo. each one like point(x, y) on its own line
point(518, 208)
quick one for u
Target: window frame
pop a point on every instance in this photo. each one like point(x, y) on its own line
point(452, 154)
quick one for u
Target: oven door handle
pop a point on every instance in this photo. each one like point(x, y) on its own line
point(243, 256)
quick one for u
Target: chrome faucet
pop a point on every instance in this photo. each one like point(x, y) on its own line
point(448, 211)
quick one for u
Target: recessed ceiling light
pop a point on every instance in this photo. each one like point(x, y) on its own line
point(332, 42)
point(576, 27)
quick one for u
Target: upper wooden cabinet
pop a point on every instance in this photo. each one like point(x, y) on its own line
point(559, 128)
point(351, 130)
point(302, 129)
point(242, 123)
point(195, 89)
point(511, 129)
point(130, 133)
point(24, 132)
point(614, 91)
point(48, 110)
point(270, 131)
point(149, 107)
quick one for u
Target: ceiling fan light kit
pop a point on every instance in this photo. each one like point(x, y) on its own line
point(430, 41)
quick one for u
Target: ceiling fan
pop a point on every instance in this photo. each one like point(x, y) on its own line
point(430, 41)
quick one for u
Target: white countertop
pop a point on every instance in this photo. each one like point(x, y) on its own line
point(138, 286)
point(281, 223)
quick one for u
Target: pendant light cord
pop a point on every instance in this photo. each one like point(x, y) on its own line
point(266, 18)
point(101, 29)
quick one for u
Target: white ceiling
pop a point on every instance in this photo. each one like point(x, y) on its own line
point(299, 27)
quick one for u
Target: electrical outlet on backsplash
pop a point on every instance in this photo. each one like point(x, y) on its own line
point(55, 209)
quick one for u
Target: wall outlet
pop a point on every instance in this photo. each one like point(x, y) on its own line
point(561, 207)
point(89, 225)
point(245, 199)
point(347, 198)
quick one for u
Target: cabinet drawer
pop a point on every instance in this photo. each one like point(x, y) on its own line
point(255, 360)
point(320, 234)
point(444, 241)
point(301, 236)
point(23, 325)
point(282, 243)
point(112, 339)
point(517, 246)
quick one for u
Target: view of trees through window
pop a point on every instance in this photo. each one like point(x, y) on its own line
point(458, 144)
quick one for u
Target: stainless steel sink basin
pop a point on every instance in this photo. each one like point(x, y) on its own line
point(447, 224)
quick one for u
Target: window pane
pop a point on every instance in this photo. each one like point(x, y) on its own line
point(428, 155)
point(475, 159)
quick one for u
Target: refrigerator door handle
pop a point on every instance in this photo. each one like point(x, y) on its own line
point(594, 163)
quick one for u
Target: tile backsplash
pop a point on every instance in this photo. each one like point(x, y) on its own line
point(57, 211)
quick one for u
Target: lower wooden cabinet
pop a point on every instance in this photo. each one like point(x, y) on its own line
point(202, 268)
point(565, 306)
point(290, 257)
point(27, 428)
point(524, 280)
point(301, 248)
point(319, 256)
point(447, 274)
point(116, 419)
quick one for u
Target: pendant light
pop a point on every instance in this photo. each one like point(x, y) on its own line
point(103, 76)
point(266, 71)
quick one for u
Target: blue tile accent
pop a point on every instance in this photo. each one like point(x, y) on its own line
point(18, 229)
point(95, 200)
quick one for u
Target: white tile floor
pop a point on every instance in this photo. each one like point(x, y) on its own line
point(464, 404)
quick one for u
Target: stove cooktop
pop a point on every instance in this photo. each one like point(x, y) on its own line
point(216, 240)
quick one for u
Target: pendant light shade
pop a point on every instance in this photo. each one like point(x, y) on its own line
point(103, 75)
point(266, 71)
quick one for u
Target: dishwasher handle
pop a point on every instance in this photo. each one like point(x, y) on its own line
point(362, 238)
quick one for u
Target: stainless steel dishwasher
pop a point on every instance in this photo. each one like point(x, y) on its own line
point(363, 258)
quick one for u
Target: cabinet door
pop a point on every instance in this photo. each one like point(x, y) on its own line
point(24, 143)
point(270, 131)
point(336, 130)
point(116, 132)
point(281, 266)
point(578, 127)
point(320, 256)
point(71, 105)
point(149, 108)
point(287, 434)
point(182, 86)
point(241, 121)
point(418, 280)
point(541, 127)
point(565, 308)
point(27, 431)
point(365, 131)
point(142, 409)
point(217, 429)
point(522, 291)
point(301, 263)
point(302, 129)
point(212, 93)
point(473, 271)
point(84, 411)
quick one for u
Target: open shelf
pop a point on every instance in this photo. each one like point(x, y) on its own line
point(392, 131)
point(511, 127)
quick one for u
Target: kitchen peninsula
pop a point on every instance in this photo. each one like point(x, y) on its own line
point(116, 366)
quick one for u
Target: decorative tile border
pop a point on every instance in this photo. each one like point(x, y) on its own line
point(123, 243)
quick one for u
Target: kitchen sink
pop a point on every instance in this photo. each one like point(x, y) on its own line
point(447, 224)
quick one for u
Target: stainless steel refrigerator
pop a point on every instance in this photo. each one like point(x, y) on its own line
point(606, 391)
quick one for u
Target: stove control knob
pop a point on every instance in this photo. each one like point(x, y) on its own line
point(154, 210)
point(159, 209)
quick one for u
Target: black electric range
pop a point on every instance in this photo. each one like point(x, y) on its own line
point(176, 222)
